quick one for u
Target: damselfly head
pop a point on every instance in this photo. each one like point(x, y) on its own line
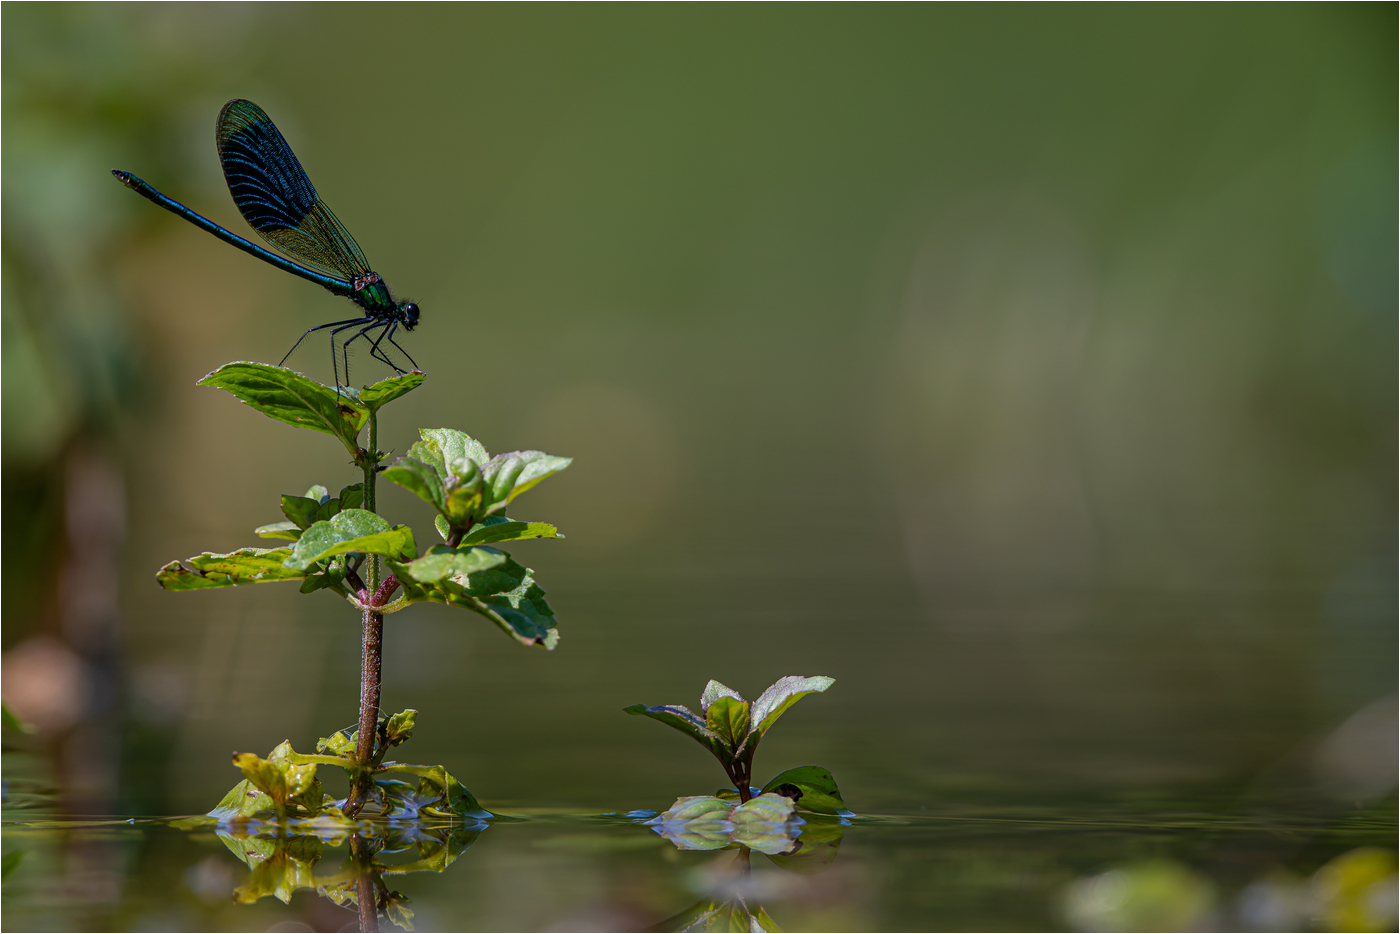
point(408, 314)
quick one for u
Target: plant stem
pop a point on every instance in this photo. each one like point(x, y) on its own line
point(366, 898)
point(371, 641)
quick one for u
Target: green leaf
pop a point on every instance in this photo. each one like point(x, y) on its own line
point(396, 910)
point(377, 395)
point(522, 613)
point(697, 807)
point(399, 727)
point(442, 561)
point(446, 797)
point(495, 529)
point(352, 496)
point(301, 510)
point(684, 719)
point(537, 466)
point(337, 744)
point(697, 822)
point(444, 528)
point(350, 532)
point(504, 593)
point(244, 566)
point(507, 577)
point(331, 577)
point(243, 800)
point(728, 719)
point(464, 493)
point(419, 478)
point(288, 530)
point(275, 777)
point(782, 694)
point(455, 474)
point(318, 493)
point(810, 787)
point(326, 511)
point(714, 691)
point(453, 446)
point(289, 397)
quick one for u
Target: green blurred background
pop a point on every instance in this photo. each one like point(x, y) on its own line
point(1028, 369)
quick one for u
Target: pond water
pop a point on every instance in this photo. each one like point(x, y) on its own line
point(1152, 868)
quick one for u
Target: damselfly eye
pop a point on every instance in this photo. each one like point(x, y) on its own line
point(409, 314)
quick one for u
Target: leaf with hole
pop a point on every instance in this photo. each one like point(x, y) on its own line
point(244, 566)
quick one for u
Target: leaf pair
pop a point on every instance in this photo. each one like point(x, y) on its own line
point(455, 474)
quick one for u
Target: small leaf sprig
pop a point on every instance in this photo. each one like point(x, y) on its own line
point(731, 728)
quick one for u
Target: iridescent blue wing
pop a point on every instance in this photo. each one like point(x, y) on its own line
point(276, 198)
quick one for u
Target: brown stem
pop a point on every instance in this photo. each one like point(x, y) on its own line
point(370, 648)
point(366, 896)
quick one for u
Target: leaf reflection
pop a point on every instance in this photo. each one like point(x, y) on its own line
point(765, 824)
point(281, 862)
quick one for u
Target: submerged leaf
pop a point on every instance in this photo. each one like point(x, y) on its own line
point(289, 397)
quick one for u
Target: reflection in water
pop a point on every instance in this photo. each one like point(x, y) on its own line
point(766, 825)
point(281, 861)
